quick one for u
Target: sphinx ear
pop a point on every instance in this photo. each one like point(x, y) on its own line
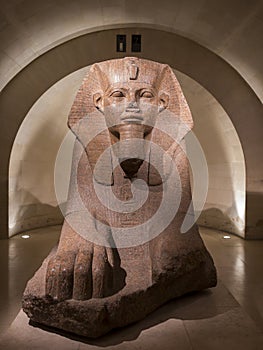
point(163, 101)
point(98, 102)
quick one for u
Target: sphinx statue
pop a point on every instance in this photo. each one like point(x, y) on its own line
point(122, 252)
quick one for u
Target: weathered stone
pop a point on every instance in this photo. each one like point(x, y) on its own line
point(122, 252)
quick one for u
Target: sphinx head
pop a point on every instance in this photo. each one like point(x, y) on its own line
point(129, 96)
point(130, 100)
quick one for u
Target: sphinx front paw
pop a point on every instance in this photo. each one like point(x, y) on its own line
point(87, 273)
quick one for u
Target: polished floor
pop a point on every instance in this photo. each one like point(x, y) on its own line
point(229, 316)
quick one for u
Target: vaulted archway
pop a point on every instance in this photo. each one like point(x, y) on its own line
point(226, 85)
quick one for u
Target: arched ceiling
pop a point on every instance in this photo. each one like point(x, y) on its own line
point(230, 28)
point(217, 43)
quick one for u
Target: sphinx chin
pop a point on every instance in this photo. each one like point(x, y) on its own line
point(130, 149)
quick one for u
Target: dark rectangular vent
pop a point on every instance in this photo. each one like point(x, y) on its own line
point(136, 43)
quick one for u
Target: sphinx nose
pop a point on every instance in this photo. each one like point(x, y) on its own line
point(133, 104)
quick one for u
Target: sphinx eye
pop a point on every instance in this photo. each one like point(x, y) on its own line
point(117, 94)
point(146, 94)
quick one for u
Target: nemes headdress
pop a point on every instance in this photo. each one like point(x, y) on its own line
point(88, 123)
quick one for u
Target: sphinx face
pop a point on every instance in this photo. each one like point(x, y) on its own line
point(130, 111)
point(132, 103)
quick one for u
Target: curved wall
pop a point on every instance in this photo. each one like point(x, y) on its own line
point(32, 198)
point(224, 208)
point(214, 74)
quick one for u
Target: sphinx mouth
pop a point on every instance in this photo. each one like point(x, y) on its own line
point(132, 119)
point(132, 110)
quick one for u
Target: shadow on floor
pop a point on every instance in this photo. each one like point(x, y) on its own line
point(193, 306)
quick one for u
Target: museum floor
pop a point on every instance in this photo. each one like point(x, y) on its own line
point(229, 316)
